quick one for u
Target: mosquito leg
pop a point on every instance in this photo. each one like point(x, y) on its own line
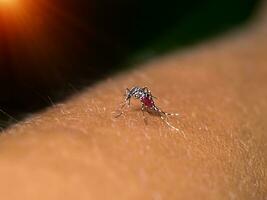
point(171, 114)
point(127, 92)
point(171, 126)
point(121, 109)
point(162, 113)
point(143, 111)
point(146, 90)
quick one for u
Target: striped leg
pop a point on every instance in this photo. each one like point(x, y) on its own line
point(162, 113)
point(126, 102)
point(143, 111)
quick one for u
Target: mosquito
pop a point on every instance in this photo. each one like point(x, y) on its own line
point(146, 98)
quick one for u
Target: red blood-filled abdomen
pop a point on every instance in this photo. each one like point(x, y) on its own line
point(147, 102)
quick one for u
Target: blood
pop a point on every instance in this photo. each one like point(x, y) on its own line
point(147, 102)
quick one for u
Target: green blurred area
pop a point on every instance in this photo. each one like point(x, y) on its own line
point(160, 27)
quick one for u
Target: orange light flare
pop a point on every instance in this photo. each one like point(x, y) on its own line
point(8, 3)
point(37, 37)
point(23, 27)
point(34, 36)
point(18, 17)
point(8, 8)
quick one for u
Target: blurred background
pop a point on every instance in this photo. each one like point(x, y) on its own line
point(50, 49)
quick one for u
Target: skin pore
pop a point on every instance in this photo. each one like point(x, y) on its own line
point(78, 150)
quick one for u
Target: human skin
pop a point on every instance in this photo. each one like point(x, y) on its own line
point(78, 150)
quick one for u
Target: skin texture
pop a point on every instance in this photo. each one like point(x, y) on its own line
point(78, 150)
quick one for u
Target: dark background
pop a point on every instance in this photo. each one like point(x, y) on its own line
point(48, 50)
